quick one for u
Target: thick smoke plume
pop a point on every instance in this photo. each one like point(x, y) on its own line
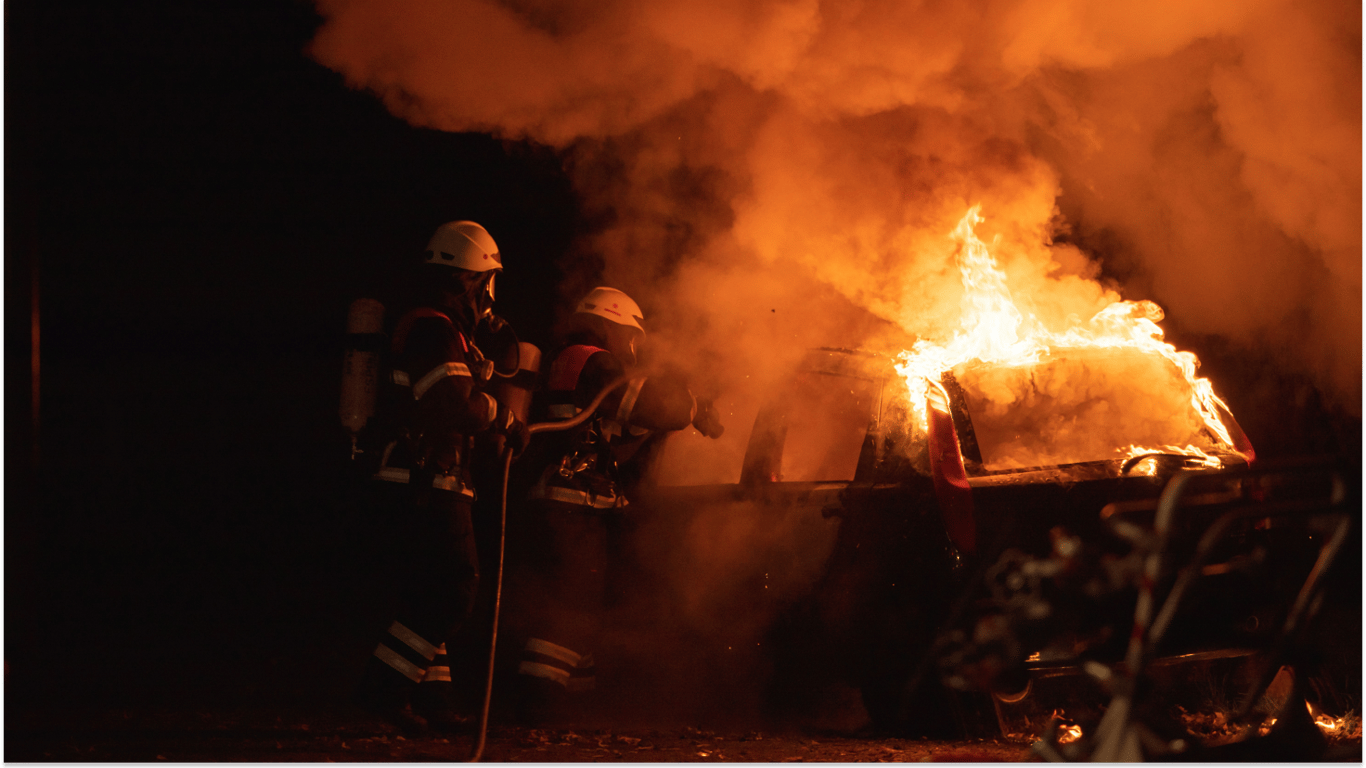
point(776, 174)
point(766, 176)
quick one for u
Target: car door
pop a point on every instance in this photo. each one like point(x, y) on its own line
point(754, 509)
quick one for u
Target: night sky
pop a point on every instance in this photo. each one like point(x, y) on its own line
point(200, 203)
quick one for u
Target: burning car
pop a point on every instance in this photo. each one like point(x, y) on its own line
point(905, 507)
point(921, 491)
point(981, 509)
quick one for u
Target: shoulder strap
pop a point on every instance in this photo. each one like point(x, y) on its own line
point(564, 372)
point(405, 324)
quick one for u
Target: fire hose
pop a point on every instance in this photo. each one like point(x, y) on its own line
point(507, 456)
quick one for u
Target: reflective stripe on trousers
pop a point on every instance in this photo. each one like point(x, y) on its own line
point(544, 659)
point(401, 655)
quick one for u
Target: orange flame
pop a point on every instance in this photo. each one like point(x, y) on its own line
point(1148, 468)
point(1069, 733)
point(1347, 726)
point(994, 330)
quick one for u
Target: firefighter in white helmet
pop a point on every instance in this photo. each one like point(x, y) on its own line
point(579, 480)
point(434, 405)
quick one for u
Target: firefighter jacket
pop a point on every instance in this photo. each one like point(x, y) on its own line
point(434, 402)
point(582, 466)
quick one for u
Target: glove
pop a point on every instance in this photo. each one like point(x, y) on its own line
point(708, 421)
point(516, 434)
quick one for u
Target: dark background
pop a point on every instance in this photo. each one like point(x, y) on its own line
point(200, 203)
point(197, 203)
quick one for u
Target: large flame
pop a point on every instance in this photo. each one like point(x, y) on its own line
point(995, 331)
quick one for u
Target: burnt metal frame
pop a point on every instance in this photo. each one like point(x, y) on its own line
point(1118, 737)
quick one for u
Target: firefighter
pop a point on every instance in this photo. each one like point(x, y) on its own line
point(433, 407)
point(579, 481)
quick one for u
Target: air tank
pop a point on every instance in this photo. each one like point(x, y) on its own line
point(360, 365)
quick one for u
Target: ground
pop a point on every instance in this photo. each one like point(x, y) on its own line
point(262, 736)
point(342, 734)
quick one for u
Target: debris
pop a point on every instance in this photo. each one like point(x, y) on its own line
point(696, 733)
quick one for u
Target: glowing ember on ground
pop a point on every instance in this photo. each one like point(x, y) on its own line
point(1018, 363)
point(1216, 729)
point(1069, 733)
point(1346, 727)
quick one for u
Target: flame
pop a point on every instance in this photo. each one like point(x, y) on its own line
point(1149, 468)
point(1069, 733)
point(1216, 728)
point(995, 331)
point(1347, 726)
point(1265, 727)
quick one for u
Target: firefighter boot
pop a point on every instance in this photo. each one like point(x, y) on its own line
point(434, 699)
point(386, 694)
point(540, 702)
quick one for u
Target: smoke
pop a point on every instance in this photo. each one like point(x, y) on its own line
point(806, 160)
point(766, 176)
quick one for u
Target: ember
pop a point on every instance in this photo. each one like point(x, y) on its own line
point(1336, 728)
point(1067, 731)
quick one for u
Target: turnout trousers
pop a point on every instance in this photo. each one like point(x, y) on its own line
point(439, 582)
point(557, 585)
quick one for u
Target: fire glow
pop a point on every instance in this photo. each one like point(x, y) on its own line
point(1345, 727)
point(997, 333)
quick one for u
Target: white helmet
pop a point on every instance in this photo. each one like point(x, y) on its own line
point(613, 305)
point(466, 245)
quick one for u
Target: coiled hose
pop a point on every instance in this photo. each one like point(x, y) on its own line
point(548, 426)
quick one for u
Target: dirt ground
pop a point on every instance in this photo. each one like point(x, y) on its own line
point(319, 734)
point(125, 736)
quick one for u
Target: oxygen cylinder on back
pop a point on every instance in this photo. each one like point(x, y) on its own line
point(360, 366)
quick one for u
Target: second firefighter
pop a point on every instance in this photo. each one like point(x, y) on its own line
point(579, 483)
